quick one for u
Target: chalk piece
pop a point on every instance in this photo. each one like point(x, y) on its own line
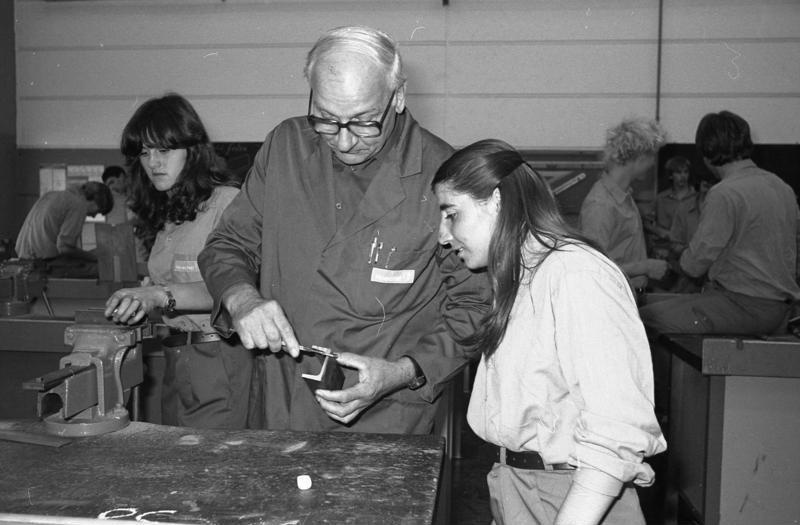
point(189, 439)
point(304, 482)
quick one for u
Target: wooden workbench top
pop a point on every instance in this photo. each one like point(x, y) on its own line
point(184, 475)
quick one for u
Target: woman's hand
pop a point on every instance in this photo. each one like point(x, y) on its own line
point(130, 305)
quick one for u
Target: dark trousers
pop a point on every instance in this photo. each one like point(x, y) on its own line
point(206, 385)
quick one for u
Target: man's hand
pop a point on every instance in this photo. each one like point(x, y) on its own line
point(260, 323)
point(657, 268)
point(376, 378)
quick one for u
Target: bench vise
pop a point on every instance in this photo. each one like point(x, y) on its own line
point(86, 395)
point(20, 282)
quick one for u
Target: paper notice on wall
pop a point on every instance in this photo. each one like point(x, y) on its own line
point(52, 177)
point(78, 174)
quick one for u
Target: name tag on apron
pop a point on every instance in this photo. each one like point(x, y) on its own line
point(381, 275)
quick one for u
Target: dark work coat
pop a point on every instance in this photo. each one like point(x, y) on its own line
point(281, 232)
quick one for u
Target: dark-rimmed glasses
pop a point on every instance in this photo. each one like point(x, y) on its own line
point(365, 128)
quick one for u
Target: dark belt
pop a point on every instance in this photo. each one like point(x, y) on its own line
point(190, 338)
point(526, 460)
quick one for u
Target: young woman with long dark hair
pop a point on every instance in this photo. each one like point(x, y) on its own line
point(179, 193)
point(564, 388)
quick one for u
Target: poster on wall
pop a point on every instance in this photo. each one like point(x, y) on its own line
point(52, 177)
point(58, 177)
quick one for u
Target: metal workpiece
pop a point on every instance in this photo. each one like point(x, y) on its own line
point(87, 394)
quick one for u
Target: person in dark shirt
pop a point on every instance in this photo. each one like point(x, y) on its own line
point(746, 243)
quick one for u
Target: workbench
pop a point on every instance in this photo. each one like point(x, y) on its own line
point(734, 429)
point(150, 472)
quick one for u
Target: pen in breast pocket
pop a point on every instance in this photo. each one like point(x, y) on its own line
point(372, 249)
point(394, 249)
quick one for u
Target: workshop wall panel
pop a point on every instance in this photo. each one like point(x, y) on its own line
point(540, 123)
point(102, 121)
point(772, 120)
point(164, 23)
point(731, 19)
point(730, 68)
point(196, 71)
point(736, 55)
point(253, 117)
point(540, 69)
point(191, 72)
point(551, 20)
point(242, 53)
point(80, 61)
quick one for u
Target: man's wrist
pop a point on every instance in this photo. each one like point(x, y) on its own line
point(417, 379)
point(238, 294)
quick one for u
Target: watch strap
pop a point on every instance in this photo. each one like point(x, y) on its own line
point(169, 305)
point(419, 376)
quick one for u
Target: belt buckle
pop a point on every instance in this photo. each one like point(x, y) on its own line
point(503, 456)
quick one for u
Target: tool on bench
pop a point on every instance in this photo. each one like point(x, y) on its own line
point(86, 395)
point(314, 349)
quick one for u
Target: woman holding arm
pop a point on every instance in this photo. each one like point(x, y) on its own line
point(564, 388)
point(179, 194)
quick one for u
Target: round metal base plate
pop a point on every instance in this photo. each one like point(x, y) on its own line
point(55, 424)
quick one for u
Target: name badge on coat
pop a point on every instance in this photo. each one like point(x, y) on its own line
point(382, 275)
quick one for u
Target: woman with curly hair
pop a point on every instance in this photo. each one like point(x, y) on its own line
point(564, 388)
point(179, 193)
point(609, 216)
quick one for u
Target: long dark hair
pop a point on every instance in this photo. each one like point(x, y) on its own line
point(170, 122)
point(527, 207)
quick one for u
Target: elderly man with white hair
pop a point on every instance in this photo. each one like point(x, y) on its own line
point(333, 242)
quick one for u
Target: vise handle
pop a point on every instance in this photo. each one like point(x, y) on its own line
point(51, 379)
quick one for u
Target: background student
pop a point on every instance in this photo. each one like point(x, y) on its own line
point(746, 241)
point(609, 216)
point(53, 227)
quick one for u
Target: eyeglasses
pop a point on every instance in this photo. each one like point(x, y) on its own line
point(365, 128)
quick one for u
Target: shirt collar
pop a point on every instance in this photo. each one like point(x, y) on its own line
point(613, 188)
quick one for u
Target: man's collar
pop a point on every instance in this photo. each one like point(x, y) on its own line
point(613, 188)
point(736, 168)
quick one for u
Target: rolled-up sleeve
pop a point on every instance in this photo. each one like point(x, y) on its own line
point(605, 358)
point(232, 254)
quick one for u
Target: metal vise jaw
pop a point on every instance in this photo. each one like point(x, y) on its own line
point(86, 396)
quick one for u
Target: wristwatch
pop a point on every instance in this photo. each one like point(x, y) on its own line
point(419, 376)
point(169, 306)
